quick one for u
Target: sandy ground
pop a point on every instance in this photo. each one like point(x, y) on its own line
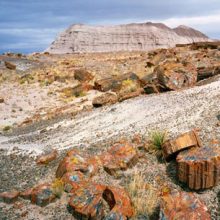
point(94, 131)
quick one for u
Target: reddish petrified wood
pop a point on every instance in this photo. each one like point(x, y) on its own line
point(183, 206)
point(199, 168)
point(119, 201)
point(26, 194)
point(74, 161)
point(183, 141)
point(86, 202)
point(45, 159)
point(9, 197)
point(115, 216)
point(119, 157)
point(42, 195)
point(72, 181)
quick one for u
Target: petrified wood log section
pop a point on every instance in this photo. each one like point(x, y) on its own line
point(184, 141)
point(182, 206)
point(199, 168)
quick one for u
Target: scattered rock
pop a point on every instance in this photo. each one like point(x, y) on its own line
point(45, 159)
point(83, 75)
point(184, 141)
point(199, 167)
point(42, 195)
point(183, 206)
point(87, 202)
point(10, 65)
point(119, 201)
point(104, 99)
point(9, 197)
point(121, 156)
point(174, 75)
point(2, 100)
point(127, 95)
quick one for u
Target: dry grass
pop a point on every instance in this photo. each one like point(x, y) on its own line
point(143, 195)
point(58, 187)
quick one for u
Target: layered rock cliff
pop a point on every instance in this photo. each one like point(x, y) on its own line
point(129, 37)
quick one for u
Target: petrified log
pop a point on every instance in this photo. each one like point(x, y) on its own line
point(47, 158)
point(209, 71)
point(175, 75)
point(87, 202)
point(83, 75)
point(199, 168)
point(114, 83)
point(9, 197)
point(120, 156)
point(104, 99)
point(10, 65)
point(182, 206)
point(184, 141)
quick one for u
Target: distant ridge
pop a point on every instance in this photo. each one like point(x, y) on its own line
point(126, 37)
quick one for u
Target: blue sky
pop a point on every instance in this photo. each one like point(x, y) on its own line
point(31, 25)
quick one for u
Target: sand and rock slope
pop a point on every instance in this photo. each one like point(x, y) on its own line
point(129, 37)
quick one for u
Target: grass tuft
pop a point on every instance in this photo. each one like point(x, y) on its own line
point(143, 195)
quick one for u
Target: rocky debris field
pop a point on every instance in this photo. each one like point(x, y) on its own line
point(64, 158)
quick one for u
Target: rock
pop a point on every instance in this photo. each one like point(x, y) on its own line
point(87, 203)
point(2, 100)
point(10, 65)
point(45, 159)
point(115, 83)
point(74, 161)
point(26, 194)
point(83, 75)
point(73, 180)
point(182, 142)
point(120, 156)
point(104, 99)
point(183, 206)
point(119, 201)
point(128, 37)
point(174, 75)
point(42, 195)
point(151, 88)
point(199, 167)
point(9, 197)
point(129, 94)
point(115, 216)
point(208, 71)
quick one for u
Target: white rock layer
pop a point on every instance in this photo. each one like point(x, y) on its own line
point(129, 37)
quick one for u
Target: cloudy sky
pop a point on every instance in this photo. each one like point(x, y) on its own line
point(31, 25)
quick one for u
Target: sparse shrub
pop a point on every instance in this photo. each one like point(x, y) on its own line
point(58, 187)
point(7, 128)
point(144, 196)
point(157, 139)
point(129, 85)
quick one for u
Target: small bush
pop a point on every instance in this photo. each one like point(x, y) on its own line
point(58, 187)
point(157, 139)
point(7, 128)
point(143, 195)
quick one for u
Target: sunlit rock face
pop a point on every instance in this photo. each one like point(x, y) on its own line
point(129, 37)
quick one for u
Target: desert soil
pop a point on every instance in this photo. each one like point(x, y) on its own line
point(94, 131)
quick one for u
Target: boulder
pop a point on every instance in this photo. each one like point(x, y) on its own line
point(175, 75)
point(199, 167)
point(182, 206)
point(87, 202)
point(104, 99)
point(182, 142)
point(2, 100)
point(42, 195)
point(10, 65)
point(75, 161)
point(114, 83)
point(9, 197)
point(120, 156)
point(47, 158)
point(83, 75)
point(119, 201)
